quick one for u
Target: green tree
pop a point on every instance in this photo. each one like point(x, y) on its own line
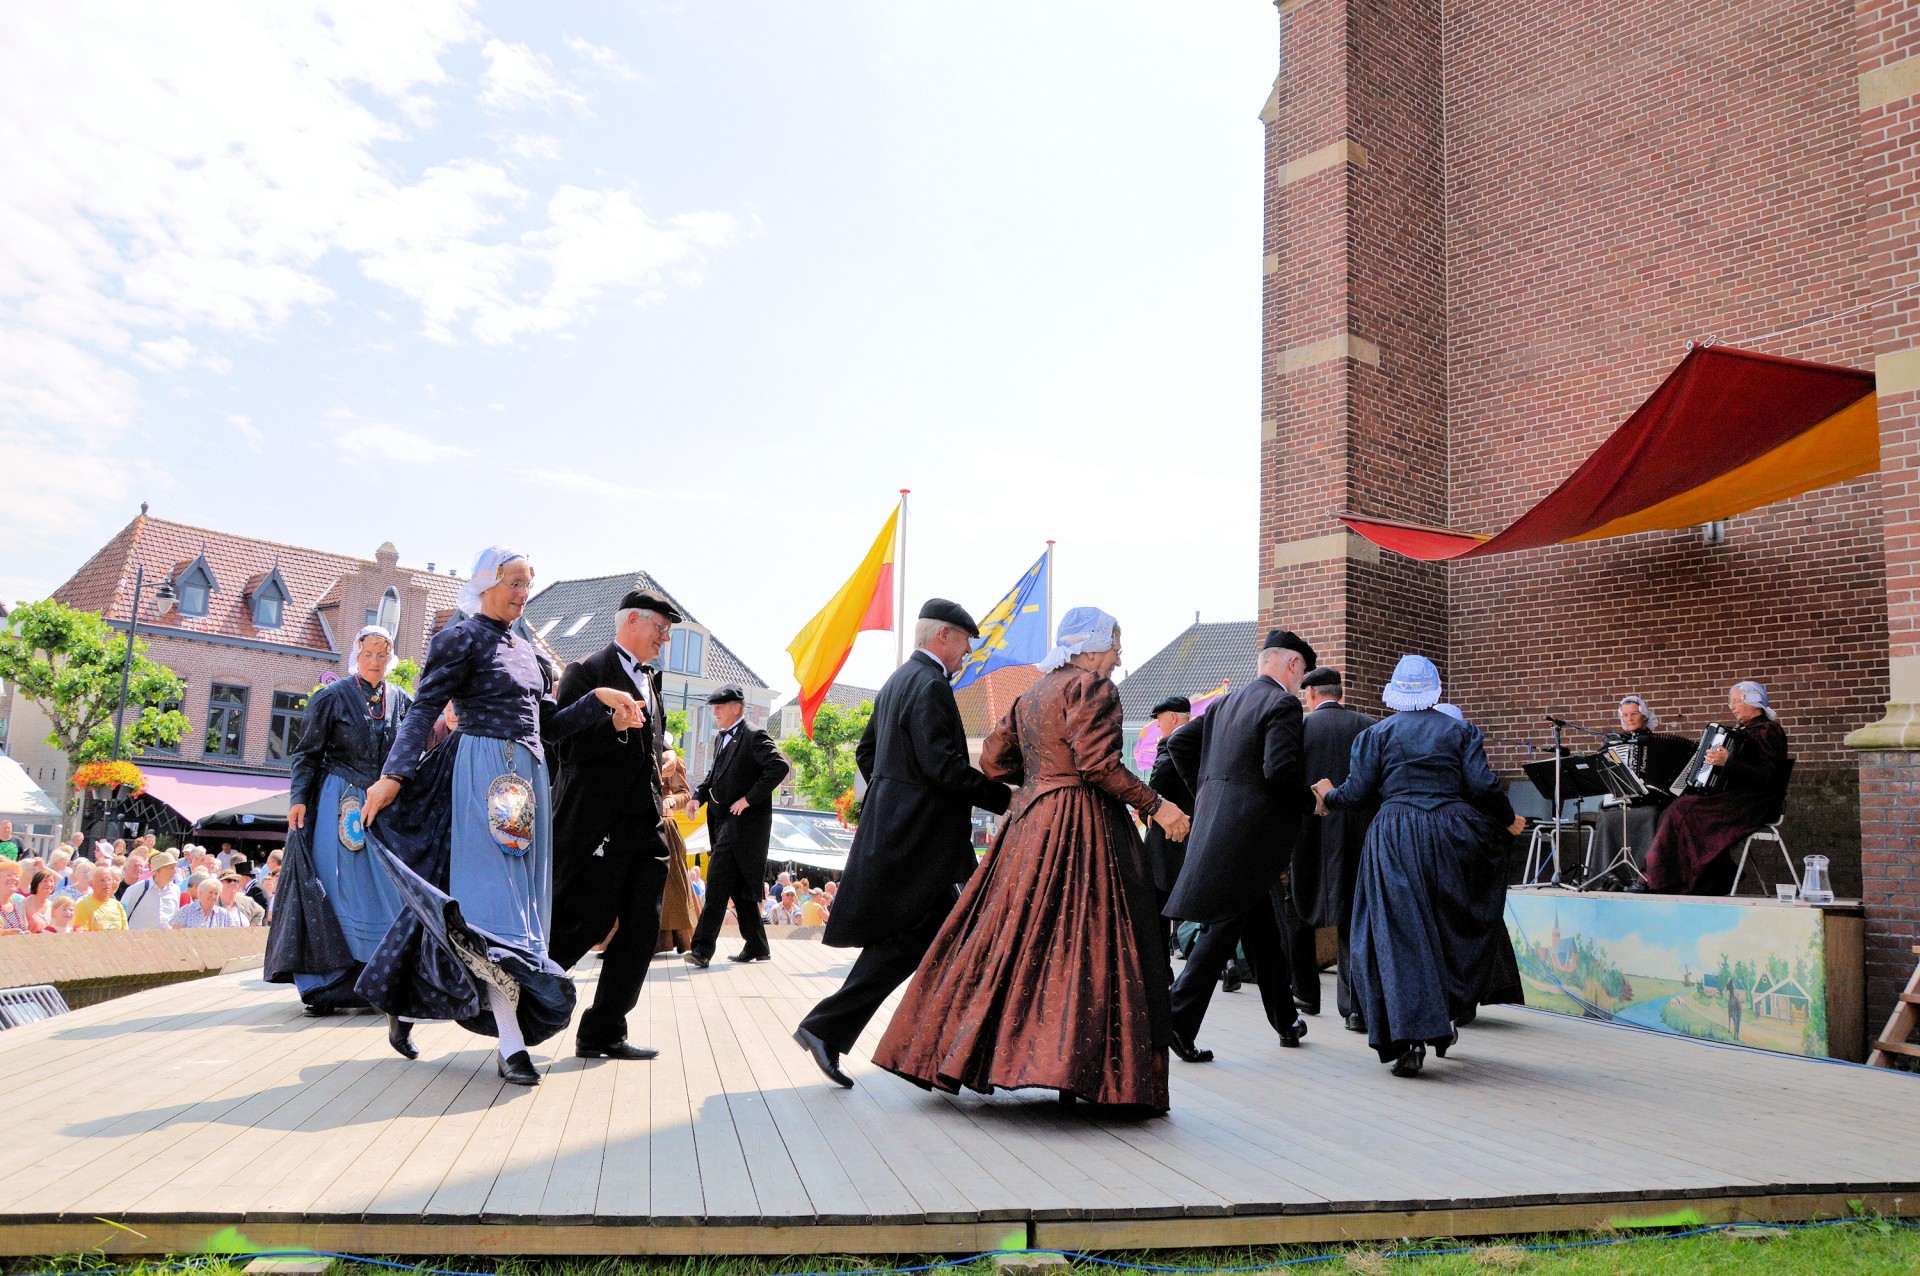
point(405, 675)
point(823, 766)
point(677, 727)
point(67, 663)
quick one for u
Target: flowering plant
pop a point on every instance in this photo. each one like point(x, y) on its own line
point(109, 775)
point(847, 807)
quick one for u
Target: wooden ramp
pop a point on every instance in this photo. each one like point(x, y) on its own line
point(216, 1106)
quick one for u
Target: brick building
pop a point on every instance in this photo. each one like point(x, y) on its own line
point(252, 627)
point(1491, 229)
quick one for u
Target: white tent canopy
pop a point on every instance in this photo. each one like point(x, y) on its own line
point(21, 800)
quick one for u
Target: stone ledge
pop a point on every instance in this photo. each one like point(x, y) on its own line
point(93, 961)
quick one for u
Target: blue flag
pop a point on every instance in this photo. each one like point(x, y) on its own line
point(1015, 631)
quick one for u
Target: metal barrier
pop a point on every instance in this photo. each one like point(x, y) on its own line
point(19, 1006)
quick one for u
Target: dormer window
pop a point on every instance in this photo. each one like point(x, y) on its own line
point(266, 611)
point(267, 599)
point(389, 615)
point(194, 588)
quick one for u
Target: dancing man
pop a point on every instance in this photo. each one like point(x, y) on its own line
point(609, 853)
point(1326, 859)
point(738, 794)
point(914, 847)
point(1250, 792)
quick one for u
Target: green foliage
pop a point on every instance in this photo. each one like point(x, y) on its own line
point(67, 663)
point(823, 767)
point(405, 675)
point(678, 724)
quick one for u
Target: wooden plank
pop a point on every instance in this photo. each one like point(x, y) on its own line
point(442, 1075)
point(778, 1186)
point(625, 1187)
point(674, 1173)
point(728, 1190)
point(418, 1176)
point(520, 1190)
point(469, 1180)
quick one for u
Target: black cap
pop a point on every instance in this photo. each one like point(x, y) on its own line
point(647, 600)
point(1292, 642)
point(1172, 704)
point(951, 613)
point(1325, 676)
point(726, 695)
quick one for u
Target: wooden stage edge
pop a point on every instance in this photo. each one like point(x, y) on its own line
point(135, 1236)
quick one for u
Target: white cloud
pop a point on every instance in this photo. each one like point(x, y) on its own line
point(601, 57)
point(533, 148)
point(248, 430)
point(170, 355)
point(365, 443)
point(517, 77)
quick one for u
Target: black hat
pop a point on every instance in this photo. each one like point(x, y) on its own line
point(1325, 676)
point(726, 695)
point(647, 600)
point(951, 613)
point(1172, 704)
point(1292, 642)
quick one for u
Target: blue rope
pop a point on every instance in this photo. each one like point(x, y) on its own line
point(212, 1260)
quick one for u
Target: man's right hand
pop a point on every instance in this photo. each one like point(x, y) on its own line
point(297, 816)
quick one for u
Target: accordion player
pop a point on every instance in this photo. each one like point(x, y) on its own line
point(1735, 784)
point(1701, 774)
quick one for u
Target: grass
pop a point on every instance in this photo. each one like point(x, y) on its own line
point(1865, 1247)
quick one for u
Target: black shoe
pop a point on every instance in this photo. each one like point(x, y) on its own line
point(318, 1012)
point(747, 954)
point(1355, 1023)
point(1304, 1006)
point(1449, 1044)
point(618, 1050)
point(1290, 1037)
point(1408, 1064)
point(1231, 981)
point(400, 1037)
point(1466, 1017)
point(825, 1058)
point(1190, 1052)
point(697, 959)
point(1637, 888)
point(516, 1068)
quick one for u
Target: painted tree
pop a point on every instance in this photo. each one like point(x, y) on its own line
point(67, 663)
point(824, 766)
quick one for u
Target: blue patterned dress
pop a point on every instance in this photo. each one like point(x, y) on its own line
point(475, 910)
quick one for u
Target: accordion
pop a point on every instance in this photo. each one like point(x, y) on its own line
point(1700, 775)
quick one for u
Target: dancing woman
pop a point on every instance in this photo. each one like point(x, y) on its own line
point(1050, 970)
point(335, 903)
point(466, 831)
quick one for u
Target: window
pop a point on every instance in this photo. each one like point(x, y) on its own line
point(226, 720)
point(548, 627)
point(684, 652)
point(577, 625)
point(194, 594)
point(266, 611)
point(283, 728)
point(389, 615)
point(168, 706)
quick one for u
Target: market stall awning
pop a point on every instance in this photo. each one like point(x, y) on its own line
point(20, 798)
point(1726, 432)
point(271, 808)
point(199, 794)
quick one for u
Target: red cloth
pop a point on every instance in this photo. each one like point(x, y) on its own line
point(1047, 973)
point(1718, 410)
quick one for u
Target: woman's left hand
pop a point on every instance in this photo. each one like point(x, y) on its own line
point(379, 794)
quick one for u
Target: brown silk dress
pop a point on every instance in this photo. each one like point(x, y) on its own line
point(1048, 972)
point(679, 908)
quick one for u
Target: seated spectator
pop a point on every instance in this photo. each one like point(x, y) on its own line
point(98, 909)
point(77, 881)
point(61, 914)
point(152, 903)
point(267, 886)
point(781, 885)
point(787, 911)
point(205, 912)
point(9, 849)
point(231, 898)
point(814, 911)
point(134, 873)
point(37, 910)
point(12, 920)
point(696, 881)
point(192, 889)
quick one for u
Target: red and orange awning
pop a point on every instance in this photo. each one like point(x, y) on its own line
point(1727, 431)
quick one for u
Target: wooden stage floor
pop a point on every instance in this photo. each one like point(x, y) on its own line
point(184, 1111)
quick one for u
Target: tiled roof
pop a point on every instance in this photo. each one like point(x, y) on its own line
point(104, 583)
point(985, 700)
point(1196, 662)
point(598, 597)
point(842, 694)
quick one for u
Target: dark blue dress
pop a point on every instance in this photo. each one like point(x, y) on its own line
point(334, 904)
point(1419, 937)
point(474, 910)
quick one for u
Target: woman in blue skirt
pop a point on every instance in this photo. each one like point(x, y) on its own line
point(1419, 939)
point(335, 901)
point(465, 829)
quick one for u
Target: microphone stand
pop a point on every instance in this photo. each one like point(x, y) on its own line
point(1559, 804)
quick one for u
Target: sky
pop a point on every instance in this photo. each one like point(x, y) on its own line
point(693, 288)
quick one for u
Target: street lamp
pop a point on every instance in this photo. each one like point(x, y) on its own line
point(163, 594)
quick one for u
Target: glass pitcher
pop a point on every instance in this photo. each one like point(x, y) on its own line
point(1816, 887)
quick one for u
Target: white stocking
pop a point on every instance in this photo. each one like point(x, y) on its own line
point(504, 1018)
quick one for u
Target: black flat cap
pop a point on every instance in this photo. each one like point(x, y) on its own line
point(1324, 676)
point(726, 695)
point(1172, 704)
point(952, 613)
point(647, 600)
point(1292, 642)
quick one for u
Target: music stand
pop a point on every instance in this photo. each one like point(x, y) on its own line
point(1626, 788)
point(1557, 778)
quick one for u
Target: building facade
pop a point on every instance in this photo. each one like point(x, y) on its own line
point(1492, 227)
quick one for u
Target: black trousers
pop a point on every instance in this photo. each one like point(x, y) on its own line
point(1347, 999)
point(1303, 949)
point(746, 886)
point(623, 883)
point(881, 967)
point(1258, 929)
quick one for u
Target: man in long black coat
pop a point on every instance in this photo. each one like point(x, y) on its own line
point(1164, 855)
point(609, 855)
point(738, 794)
point(914, 844)
point(1326, 859)
point(1250, 793)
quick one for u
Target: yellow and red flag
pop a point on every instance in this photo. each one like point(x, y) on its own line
point(865, 602)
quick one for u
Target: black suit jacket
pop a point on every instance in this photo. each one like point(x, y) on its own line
point(1250, 791)
point(915, 840)
point(751, 768)
point(1164, 855)
point(609, 787)
point(1327, 856)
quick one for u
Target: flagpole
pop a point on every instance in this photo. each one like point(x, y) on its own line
point(1049, 633)
point(900, 582)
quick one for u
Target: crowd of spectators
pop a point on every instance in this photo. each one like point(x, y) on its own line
point(792, 902)
point(123, 885)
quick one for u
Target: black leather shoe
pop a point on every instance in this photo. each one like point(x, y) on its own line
point(1637, 888)
point(1355, 1023)
point(400, 1037)
point(1304, 1006)
point(1230, 982)
point(746, 954)
point(618, 1050)
point(1190, 1052)
point(1290, 1037)
point(319, 1012)
point(695, 959)
point(825, 1058)
point(1408, 1064)
point(1449, 1044)
point(517, 1068)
